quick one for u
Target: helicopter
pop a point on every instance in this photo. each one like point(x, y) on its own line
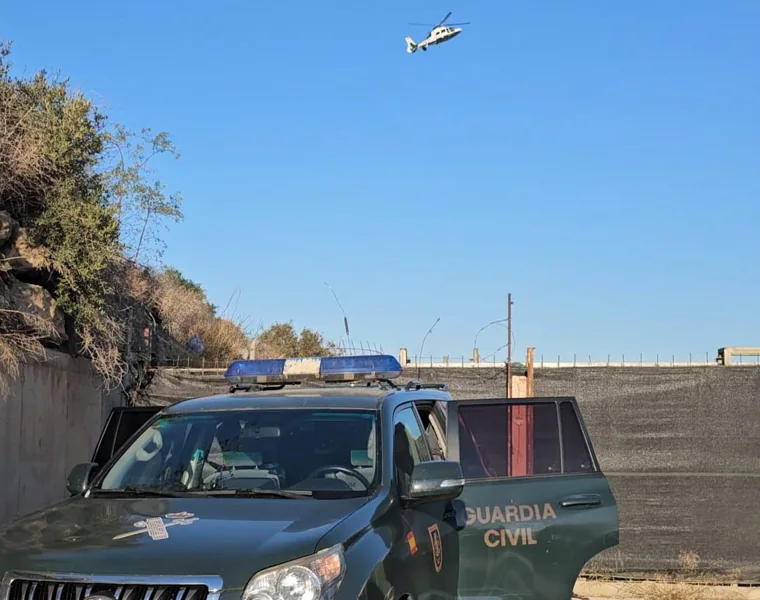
point(438, 34)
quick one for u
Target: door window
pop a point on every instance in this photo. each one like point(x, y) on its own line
point(129, 424)
point(432, 416)
point(521, 440)
point(409, 446)
point(122, 424)
point(577, 455)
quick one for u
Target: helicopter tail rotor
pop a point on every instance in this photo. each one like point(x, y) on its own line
point(411, 45)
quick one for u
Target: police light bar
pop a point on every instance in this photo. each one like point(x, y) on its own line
point(329, 368)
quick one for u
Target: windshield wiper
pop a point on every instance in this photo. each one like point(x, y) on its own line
point(256, 493)
point(131, 490)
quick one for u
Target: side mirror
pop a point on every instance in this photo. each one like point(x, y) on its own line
point(436, 480)
point(80, 477)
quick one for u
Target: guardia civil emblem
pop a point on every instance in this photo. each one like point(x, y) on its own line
point(156, 528)
point(435, 540)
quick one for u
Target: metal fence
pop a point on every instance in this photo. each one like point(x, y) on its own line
point(194, 363)
point(541, 361)
point(639, 360)
point(547, 361)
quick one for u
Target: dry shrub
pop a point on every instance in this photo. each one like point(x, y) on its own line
point(140, 284)
point(25, 167)
point(689, 583)
point(21, 336)
point(185, 312)
point(688, 561)
point(664, 590)
point(25, 170)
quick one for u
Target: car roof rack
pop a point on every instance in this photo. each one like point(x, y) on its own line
point(418, 385)
point(250, 387)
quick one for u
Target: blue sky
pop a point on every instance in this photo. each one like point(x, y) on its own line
point(600, 160)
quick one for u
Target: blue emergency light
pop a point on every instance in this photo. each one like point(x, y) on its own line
point(329, 368)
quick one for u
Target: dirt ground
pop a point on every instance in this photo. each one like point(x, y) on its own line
point(656, 590)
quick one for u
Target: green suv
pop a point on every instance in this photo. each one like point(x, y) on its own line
point(322, 479)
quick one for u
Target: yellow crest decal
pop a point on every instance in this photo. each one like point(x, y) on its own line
point(435, 540)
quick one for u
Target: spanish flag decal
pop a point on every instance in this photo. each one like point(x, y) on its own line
point(412, 542)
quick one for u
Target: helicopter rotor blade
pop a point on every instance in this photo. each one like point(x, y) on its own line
point(444, 19)
point(457, 24)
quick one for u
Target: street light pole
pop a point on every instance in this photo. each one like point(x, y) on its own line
point(419, 360)
point(486, 326)
point(345, 318)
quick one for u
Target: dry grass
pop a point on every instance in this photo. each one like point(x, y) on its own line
point(186, 313)
point(670, 590)
point(688, 581)
point(25, 167)
point(21, 336)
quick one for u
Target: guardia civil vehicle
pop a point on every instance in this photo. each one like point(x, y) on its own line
point(322, 479)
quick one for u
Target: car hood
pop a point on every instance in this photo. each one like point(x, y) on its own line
point(230, 537)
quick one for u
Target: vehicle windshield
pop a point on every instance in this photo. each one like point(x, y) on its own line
point(272, 450)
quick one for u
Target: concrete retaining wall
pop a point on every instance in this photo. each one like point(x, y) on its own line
point(49, 421)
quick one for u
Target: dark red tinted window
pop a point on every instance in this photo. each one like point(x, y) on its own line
point(577, 455)
point(514, 440)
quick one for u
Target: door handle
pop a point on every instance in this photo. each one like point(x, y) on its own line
point(581, 501)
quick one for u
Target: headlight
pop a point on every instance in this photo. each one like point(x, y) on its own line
point(315, 577)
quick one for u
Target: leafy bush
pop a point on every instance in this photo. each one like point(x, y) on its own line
point(280, 340)
point(82, 191)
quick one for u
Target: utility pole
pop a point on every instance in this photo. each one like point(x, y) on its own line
point(509, 345)
point(529, 379)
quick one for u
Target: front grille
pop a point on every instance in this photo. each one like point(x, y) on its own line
point(44, 590)
point(28, 586)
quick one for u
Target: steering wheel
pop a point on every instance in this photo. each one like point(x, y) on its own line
point(339, 469)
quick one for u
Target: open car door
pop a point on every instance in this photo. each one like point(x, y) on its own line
point(122, 424)
point(538, 507)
